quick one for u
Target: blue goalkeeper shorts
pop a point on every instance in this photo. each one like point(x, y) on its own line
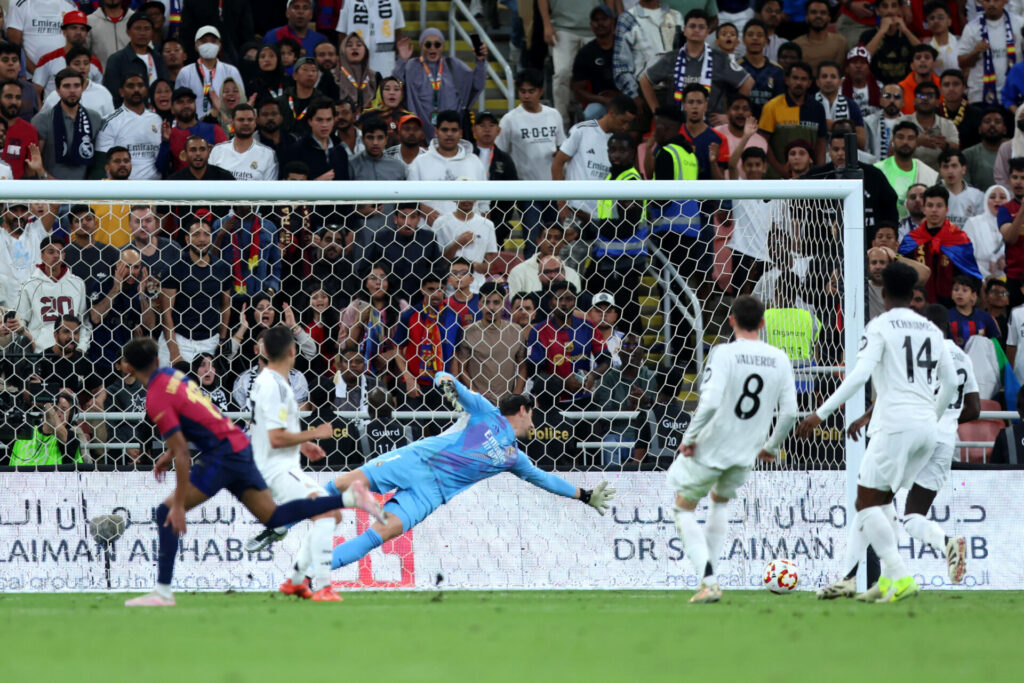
point(418, 493)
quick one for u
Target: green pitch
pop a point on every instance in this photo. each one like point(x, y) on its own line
point(520, 636)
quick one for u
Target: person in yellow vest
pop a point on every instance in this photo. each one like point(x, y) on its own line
point(53, 442)
point(677, 226)
point(793, 329)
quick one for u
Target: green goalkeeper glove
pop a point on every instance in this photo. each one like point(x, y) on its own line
point(598, 498)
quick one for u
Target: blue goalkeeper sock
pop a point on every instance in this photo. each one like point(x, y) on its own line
point(168, 547)
point(355, 548)
point(304, 508)
point(331, 489)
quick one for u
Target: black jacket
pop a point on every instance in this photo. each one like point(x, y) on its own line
point(880, 200)
point(313, 155)
point(233, 18)
point(124, 62)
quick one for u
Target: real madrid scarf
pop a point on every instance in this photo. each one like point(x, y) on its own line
point(79, 150)
point(680, 76)
point(988, 79)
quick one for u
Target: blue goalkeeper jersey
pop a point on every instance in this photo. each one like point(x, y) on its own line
point(477, 449)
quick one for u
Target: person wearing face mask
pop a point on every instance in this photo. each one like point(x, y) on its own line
point(206, 75)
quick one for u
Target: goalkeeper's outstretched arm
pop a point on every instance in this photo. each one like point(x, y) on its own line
point(472, 402)
point(597, 498)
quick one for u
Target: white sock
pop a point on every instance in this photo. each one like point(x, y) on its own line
point(715, 531)
point(164, 591)
point(303, 559)
point(926, 531)
point(321, 543)
point(856, 546)
point(878, 531)
point(694, 544)
point(348, 498)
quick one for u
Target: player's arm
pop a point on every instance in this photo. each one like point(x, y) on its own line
point(786, 418)
point(872, 347)
point(947, 382)
point(597, 498)
point(860, 423)
point(471, 401)
point(712, 387)
point(972, 398)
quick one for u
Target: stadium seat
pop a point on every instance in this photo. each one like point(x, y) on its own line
point(979, 430)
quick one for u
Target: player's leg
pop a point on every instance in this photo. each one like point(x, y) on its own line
point(928, 482)
point(717, 525)
point(355, 489)
point(406, 509)
point(692, 481)
point(167, 551)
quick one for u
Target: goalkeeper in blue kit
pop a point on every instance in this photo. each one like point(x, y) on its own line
point(432, 471)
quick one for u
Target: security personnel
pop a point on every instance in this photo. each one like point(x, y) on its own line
point(676, 224)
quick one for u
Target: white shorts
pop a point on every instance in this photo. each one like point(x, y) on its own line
point(693, 481)
point(893, 459)
point(292, 485)
point(935, 473)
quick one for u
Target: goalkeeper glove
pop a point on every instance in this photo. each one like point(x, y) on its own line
point(451, 395)
point(598, 498)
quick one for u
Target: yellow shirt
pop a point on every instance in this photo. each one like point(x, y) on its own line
point(112, 220)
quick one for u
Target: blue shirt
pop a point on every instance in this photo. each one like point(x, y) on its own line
point(1013, 87)
point(236, 250)
point(769, 82)
point(702, 148)
point(117, 326)
point(963, 327)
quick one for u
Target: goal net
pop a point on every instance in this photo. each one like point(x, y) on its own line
point(600, 300)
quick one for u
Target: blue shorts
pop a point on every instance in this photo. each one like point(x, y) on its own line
point(236, 473)
point(418, 493)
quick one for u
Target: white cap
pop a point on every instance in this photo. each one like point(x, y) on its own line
point(603, 298)
point(207, 31)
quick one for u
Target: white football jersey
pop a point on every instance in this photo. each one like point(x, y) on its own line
point(906, 357)
point(273, 406)
point(40, 24)
point(257, 163)
point(140, 133)
point(742, 385)
point(43, 301)
point(965, 384)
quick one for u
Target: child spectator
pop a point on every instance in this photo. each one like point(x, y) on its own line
point(965, 320)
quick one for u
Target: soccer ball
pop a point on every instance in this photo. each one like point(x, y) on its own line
point(780, 576)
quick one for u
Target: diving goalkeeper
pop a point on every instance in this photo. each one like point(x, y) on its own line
point(430, 472)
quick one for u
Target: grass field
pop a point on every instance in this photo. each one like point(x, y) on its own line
point(521, 636)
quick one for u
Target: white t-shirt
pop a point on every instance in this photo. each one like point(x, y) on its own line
point(531, 140)
point(256, 163)
point(753, 219)
point(94, 97)
point(587, 149)
point(375, 21)
point(19, 257)
point(140, 133)
point(741, 386)
point(970, 38)
point(40, 24)
point(194, 76)
point(967, 204)
point(947, 54)
point(1015, 337)
point(447, 229)
point(6, 173)
point(42, 302)
point(46, 73)
point(273, 406)
point(966, 384)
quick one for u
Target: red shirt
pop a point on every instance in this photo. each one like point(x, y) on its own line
point(1014, 252)
point(20, 134)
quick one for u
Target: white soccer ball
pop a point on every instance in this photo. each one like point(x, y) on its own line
point(781, 576)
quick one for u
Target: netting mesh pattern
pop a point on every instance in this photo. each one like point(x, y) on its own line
point(605, 323)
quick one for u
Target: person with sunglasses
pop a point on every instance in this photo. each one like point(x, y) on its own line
point(879, 125)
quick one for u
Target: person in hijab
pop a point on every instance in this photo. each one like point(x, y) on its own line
point(268, 80)
point(436, 83)
point(389, 106)
point(983, 229)
point(356, 80)
point(1011, 149)
point(160, 98)
point(224, 102)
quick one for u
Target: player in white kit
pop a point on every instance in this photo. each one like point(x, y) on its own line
point(277, 441)
point(966, 406)
point(906, 358)
point(743, 383)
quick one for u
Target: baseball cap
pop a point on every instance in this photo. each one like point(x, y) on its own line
point(480, 116)
point(603, 8)
point(179, 93)
point(409, 117)
point(137, 17)
point(603, 298)
point(859, 52)
point(207, 31)
point(152, 3)
point(75, 18)
point(302, 61)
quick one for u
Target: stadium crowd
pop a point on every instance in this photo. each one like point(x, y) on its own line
point(511, 297)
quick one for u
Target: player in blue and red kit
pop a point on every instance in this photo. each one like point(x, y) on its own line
point(184, 415)
point(432, 471)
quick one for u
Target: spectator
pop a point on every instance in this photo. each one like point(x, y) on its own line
point(491, 352)
point(630, 386)
point(1010, 149)
point(346, 133)
point(788, 55)
point(352, 382)
point(936, 134)
point(242, 388)
point(603, 315)
point(879, 126)
point(248, 242)
point(410, 248)
point(20, 249)
point(261, 316)
point(411, 139)
point(204, 370)
point(269, 79)
point(769, 79)
point(584, 155)
point(964, 201)
point(121, 309)
point(838, 106)
point(76, 32)
point(751, 221)
point(941, 246)
point(913, 207)
point(449, 157)
point(138, 129)
point(290, 51)
point(642, 33)
point(54, 441)
point(62, 364)
point(331, 264)
point(112, 218)
point(135, 58)
point(666, 421)
point(88, 259)
point(997, 305)
point(173, 52)
point(1011, 224)
point(34, 25)
point(64, 158)
point(891, 44)
point(740, 113)
point(94, 95)
point(770, 12)
point(593, 74)
point(1008, 448)
point(51, 292)
point(981, 158)
point(379, 26)
point(530, 275)
point(782, 259)
point(695, 63)
point(727, 39)
point(922, 70)
point(790, 326)
point(356, 78)
point(983, 231)
point(798, 159)
point(296, 98)
point(468, 235)
point(299, 13)
point(524, 310)
point(242, 156)
point(230, 97)
point(158, 252)
point(965, 320)
point(368, 320)
point(325, 159)
point(269, 122)
point(197, 156)
point(860, 85)
point(21, 135)
point(10, 71)
point(195, 298)
point(205, 77)
point(325, 55)
point(187, 125)
point(233, 18)
point(878, 259)
point(677, 225)
point(108, 29)
point(901, 169)
point(499, 165)
point(986, 49)
point(920, 299)
point(794, 116)
point(937, 14)
point(565, 33)
point(389, 104)
point(463, 300)
point(818, 44)
point(372, 163)
point(435, 83)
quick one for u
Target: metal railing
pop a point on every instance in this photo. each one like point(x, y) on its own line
point(669, 275)
point(455, 30)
